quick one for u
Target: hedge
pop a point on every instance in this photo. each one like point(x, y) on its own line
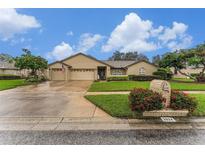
point(9, 77)
point(117, 78)
point(142, 77)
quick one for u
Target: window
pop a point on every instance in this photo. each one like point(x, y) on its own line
point(142, 71)
point(117, 72)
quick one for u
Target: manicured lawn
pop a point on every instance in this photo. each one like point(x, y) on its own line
point(200, 111)
point(183, 79)
point(115, 105)
point(129, 85)
point(8, 84)
point(118, 85)
point(118, 105)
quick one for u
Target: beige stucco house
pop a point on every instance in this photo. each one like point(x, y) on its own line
point(84, 67)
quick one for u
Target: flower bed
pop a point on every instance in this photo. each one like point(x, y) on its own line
point(146, 100)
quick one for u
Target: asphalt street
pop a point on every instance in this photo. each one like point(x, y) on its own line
point(188, 136)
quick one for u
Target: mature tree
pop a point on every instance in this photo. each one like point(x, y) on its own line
point(177, 60)
point(156, 59)
point(6, 58)
point(117, 55)
point(182, 59)
point(142, 57)
point(31, 62)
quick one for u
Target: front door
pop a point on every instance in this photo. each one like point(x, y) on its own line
point(102, 73)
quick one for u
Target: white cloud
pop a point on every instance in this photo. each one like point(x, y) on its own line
point(88, 41)
point(12, 23)
point(137, 34)
point(177, 30)
point(129, 33)
point(60, 51)
point(180, 44)
point(70, 33)
point(176, 37)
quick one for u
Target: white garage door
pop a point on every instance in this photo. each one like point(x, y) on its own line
point(82, 74)
point(58, 74)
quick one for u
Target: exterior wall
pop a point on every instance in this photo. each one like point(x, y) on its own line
point(14, 72)
point(188, 71)
point(56, 65)
point(134, 69)
point(54, 75)
point(83, 62)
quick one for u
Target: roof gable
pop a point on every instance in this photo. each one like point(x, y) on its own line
point(140, 62)
point(87, 56)
point(119, 63)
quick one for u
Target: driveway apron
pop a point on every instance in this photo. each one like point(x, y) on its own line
point(49, 99)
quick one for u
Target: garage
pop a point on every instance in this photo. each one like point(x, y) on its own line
point(82, 74)
point(57, 74)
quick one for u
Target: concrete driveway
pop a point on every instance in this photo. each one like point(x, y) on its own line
point(49, 99)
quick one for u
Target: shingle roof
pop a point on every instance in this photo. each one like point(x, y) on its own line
point(7, 65)
point(118, 64)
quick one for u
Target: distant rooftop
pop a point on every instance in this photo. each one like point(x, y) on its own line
point(4, 64)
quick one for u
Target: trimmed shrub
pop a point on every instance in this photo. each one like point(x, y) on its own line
point(142, 77)
point(164, 73)
point(35, 78)
point(117, 78)
point(9, 77)
point(180, 100)
point(145, 100)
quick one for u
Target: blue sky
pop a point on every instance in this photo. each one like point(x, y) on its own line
point(59, 33)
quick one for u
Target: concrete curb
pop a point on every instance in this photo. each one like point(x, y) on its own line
point(88, 124)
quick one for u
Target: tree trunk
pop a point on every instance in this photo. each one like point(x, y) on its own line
point(33, 72)
point(191, 77)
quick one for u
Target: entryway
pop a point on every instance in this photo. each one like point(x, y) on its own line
point(102, 73)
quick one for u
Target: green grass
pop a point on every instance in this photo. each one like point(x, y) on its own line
point(118, 85)
point(129, 85)
point(8, 75)
point(8, 84)
point(200, 111)
point(115, 105)
point(118, 105)
point(183, 79)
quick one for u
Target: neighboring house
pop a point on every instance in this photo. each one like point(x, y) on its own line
point(84, 67)
point(9, 68)
point(188, 70)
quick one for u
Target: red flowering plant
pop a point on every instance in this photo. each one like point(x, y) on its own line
point(180, 101)
point(145, 100)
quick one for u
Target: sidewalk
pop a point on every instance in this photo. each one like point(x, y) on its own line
point(75, 124)
point(127, 92)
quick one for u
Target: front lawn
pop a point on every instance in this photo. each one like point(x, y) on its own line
point(118, 105)
point(200, 111)
point(129, 85)
point(183, 79)
point(115, 105)
point(8, 84)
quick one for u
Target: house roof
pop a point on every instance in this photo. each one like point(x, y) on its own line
point(7, 65)
point(59, 62)
point(119, 64)
point(83, 55)
point(141, 61)
point(111, 63)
